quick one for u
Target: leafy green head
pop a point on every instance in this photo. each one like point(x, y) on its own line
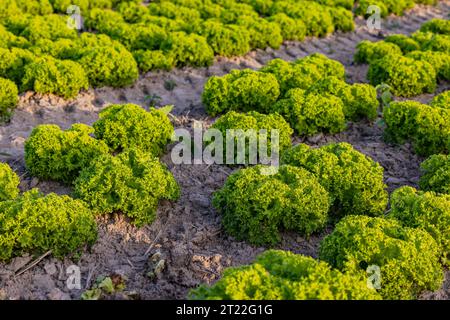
point(8, 98)
point(132, 183)
point(435, 174)
point(51, 153)
point(428, 211)
point(35, 223)
point(130, 126)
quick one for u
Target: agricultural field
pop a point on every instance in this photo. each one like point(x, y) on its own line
point(97, 98)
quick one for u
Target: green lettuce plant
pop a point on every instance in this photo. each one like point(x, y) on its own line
point(363, 6)
point(440, 26)
point(425, 210)
point(310, 113)
point(342, 19)
point(242, 90)
point(427, 127)
point(406, 77)
point(9, 183)
point(442, 100)
point(291, 29)
point(408, 259)
point(354, 181)
point(130, 126)
point(62, 5)
point(439, 60)
point(51, 27)
point(326, 66)
point(37, 7)
point(51, 153)
point(242, 122)
point(247, 90)
point(368, 52)
point(359, 99)
point(256, 205)
point(405, 43)
point(112, 66)
point(132, 182)
point(150, 60)
point(36, 223)
point(262, 33)
point(437, 42)
point(8, 97)
point(292, 76)
point(13, 62)
point(173, 11)
point(435, 174)
point(226, 40)
point(64, 78)
point(188, 50)
point(318, 21)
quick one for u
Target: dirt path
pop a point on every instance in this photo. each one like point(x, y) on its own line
point(188, 233)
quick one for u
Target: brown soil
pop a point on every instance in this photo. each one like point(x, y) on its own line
point(188, 232)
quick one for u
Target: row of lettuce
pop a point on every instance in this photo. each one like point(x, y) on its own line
point(39, 52)
point(117, 170)
point(38, 47)
point(114, 167)
point(311, 95)
point(399, 246)
point(409, 243)
point(411, 65)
